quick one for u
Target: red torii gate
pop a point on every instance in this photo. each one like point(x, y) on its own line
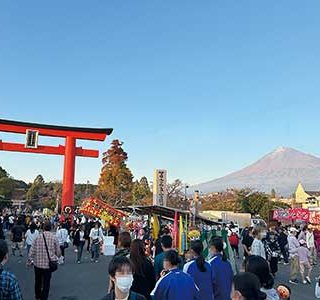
point(69, 150)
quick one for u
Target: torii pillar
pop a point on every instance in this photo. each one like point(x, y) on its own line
point(69, 150)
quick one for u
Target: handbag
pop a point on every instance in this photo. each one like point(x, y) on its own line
point(53, 265)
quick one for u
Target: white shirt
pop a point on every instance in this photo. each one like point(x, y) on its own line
point(62, 235)
point(310, 239)
point(81, 234)
point(257, 248)
point(30, 237)
point(96, 234)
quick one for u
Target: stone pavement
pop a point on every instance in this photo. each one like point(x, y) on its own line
point(89, 281)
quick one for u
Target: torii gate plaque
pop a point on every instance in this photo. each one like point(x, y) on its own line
point(69, 150)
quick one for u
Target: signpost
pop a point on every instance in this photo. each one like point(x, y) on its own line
point(160, 193)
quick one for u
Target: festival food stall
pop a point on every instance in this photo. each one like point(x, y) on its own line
point(93, 207)
point(182, 230)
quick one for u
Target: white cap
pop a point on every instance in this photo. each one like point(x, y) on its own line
point(293, 229)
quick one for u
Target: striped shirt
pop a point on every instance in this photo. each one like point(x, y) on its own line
point(38, 253)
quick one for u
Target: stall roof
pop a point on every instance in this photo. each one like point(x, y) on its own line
point(166, 212)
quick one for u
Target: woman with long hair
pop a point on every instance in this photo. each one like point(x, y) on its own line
point(221, 270)
point(79, 241)
point(31, 235)
point(246, 286)
point(200, 271)
point(63, 236)
point(144, 278)
point(259, 266)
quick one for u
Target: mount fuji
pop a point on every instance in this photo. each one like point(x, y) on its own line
point(281, 170)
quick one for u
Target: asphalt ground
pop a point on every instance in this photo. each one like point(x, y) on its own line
point(89, 281)
point(72, 281)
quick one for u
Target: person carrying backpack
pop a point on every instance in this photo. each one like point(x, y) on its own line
point(234, 242)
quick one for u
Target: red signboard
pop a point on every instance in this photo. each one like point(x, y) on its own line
point(314, 217)
point(291, 214)
point(97, 208)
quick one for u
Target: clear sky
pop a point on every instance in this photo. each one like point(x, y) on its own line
point(200, 88)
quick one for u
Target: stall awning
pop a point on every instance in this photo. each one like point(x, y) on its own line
point(165, 212)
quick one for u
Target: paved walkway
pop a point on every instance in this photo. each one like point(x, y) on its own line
point(85, 281)
point(89, 281)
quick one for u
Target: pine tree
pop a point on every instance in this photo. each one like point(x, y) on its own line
point(115, 183)
point(3, 173)
point(141, 192)
point(34, 193)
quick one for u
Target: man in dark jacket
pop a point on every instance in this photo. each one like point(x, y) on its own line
point(283, 243)
point(124, 243)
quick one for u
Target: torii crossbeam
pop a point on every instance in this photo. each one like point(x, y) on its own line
point(69, 150)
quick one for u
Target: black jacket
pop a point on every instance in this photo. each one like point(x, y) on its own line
point(132, 296)
point(144, 280)
point(76, 238)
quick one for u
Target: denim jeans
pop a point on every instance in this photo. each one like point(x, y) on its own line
point(95, 249)
point(80, 249)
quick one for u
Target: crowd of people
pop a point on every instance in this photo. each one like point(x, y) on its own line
point(143, 268)
point(294, 245)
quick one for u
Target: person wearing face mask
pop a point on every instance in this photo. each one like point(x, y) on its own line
point(257, 247)
point(9, 286)
point(174, 284)
point(221, 270)
point(121, 275)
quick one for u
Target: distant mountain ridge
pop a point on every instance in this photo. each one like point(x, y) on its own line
point(281, 169)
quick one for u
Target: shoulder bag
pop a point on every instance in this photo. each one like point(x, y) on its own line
point(53, 265)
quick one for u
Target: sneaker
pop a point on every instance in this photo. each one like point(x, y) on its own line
point(304, 282)
point(294, 281)
point(78, 262)
point(308, 279)
point(92, 260)
point(285, 263)
point(96, 261)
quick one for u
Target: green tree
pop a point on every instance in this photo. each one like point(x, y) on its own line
point(115, 183)
point(141, 193)
point(37, 190)
point(7, 186)
point(3, 173)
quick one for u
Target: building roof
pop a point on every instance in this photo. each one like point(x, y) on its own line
point(166, 212)
point(313, 193)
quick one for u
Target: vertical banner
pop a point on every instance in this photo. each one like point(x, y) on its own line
point(160, 188)
point(175, 233)
point(181, 231)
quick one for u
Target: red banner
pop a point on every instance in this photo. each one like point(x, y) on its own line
point(291, 214)
point(97, 208)
point(314, 217)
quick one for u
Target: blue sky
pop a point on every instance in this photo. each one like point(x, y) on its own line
point(200, 88)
